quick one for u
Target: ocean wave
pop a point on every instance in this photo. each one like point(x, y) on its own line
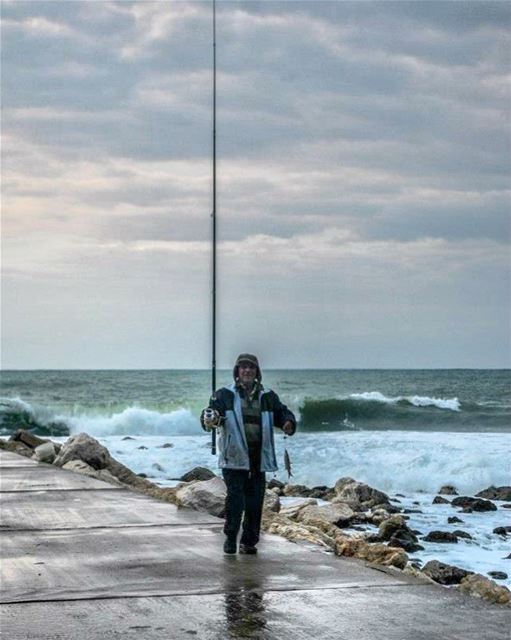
point(452, 404)
point(366, 411)
point(16, 413)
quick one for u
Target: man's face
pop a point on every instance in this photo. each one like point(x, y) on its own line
point(247, 373)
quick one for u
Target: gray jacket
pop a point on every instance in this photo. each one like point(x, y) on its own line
point(232, 443)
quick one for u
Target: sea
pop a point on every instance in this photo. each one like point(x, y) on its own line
point(405, 432)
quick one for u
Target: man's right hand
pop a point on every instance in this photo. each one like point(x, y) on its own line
point(210, 418)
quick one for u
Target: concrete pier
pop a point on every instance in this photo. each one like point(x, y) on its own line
point(81, 559)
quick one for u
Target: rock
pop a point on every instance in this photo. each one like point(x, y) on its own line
point(271, 501)
point(388, 527)
point(83, 447)
point(508, 557)
point(506, 506)
point(29, 439)
point(142, 475)
point(462, 534)
point(400, 495)
point(405, 540)
point(350, 490)
point(339, 515)
point(16, 447)
point(495, 493)
point(128, 438)
point(276, 484)
point(378, 516)
point(502, 531)
point(167, 445)
point(296, 490)
point(376, 553)
point(497, 575)
point(444, 573)
point(157, 467)
point(454, 520)
point(45, 453)
point(142, 447)
point(440, 536)
point(398, 534)
point(476, 504)
point(204, 495)
point(79, 466)
point(197, 473)
point(322, 492)
point(448, 490)
point(292, 510)
point(412, 511)
point(297, 532)
point(440, 500)
point(481, 587)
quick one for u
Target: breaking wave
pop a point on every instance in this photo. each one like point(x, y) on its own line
point(367, 411)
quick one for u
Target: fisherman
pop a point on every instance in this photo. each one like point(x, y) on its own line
point(245, 414)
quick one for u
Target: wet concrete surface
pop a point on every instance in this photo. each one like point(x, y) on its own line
point(81, 562)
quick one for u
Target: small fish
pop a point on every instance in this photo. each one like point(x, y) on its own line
point(287, 464)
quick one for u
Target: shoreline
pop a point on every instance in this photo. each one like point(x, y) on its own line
point(308, 521)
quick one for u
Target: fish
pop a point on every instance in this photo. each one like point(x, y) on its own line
point(287, 464)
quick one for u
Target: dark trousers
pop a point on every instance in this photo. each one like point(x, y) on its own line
point(245, 493)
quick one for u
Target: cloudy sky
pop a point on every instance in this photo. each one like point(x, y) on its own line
point(363, 183)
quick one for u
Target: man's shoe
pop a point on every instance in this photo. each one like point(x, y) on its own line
point(247, 550)
point(229, 546)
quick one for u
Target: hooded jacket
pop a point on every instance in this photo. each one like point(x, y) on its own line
point(232, 442)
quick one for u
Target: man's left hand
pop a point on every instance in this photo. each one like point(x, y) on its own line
point(288, 428)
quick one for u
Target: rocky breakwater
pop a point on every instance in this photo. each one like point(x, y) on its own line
point(350, 519)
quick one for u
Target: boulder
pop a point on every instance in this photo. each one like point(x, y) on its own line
point(276, 484)
point(339, 515)
point(454, 520)
point(502, 531)
point(459, 533)
point(495, 493)
point(29, 439)
point(497, 575)
point(296, 490)
point(197, 473)
point(398, 534)
point(167, 445)
point(297, 532)
point(475, 504)
point(350, 490)
point(440, 500)
point(481, 587)
point(142, 448)
point(379, 515)
point(204, 495)
point(128, 438)
point(83, 447)
point(322, 492)
point(448, 490)
point(16, 447)
point(79, 466)
point(445, 574)
point(271, 501)
point(440, 536)
point(374, 553)
point(292, 510)
point(45, 452)
point(388, 527)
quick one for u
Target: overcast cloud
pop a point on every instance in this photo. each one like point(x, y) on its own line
point(363, 183)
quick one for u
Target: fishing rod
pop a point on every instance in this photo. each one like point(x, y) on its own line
point(213, 217)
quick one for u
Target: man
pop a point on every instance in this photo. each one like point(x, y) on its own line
point(245, 414)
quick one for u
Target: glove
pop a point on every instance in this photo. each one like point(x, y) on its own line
point(210, 418)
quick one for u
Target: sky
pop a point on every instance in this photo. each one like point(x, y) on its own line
point(363, 184)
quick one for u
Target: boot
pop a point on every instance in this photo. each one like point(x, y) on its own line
point(248, 550)
point(230, 546)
